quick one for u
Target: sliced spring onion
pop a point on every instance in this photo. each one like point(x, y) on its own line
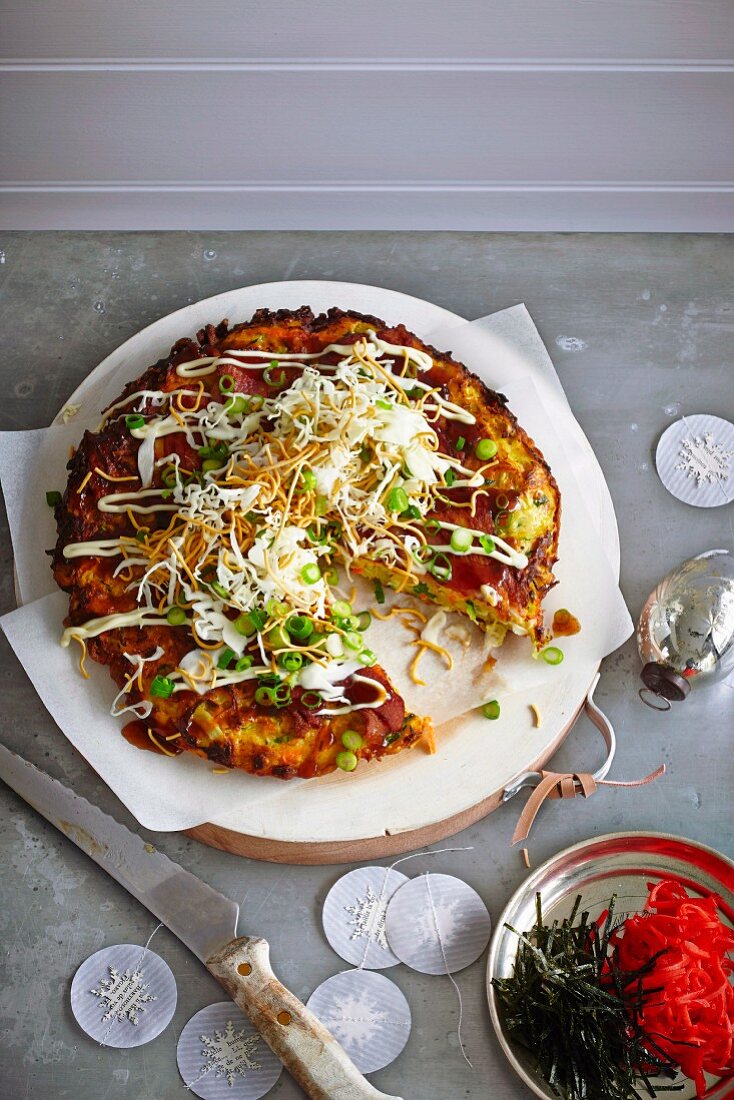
point(245, 624)
point(461, 541)
point(133, 421)
point(367, 658)
point(552, 655)
point(502, 500)
point(441, 567)
point(265, 696)
point(169, 477)
point(421, 589)
point(237, 405)
point(311, 699)
point(220, 590)
point(141, 536)
point(341, 609)
point(308, 477)
point(176, 616)
point(485, 448)
point(352, 740)
point(225, 658)
point(460, 443)
point(243, 663)
point(347, 761)
point(290, 661)
point(161, 687)
point(210, 464)
point(322, 506)
point(276, 608)
point(397, 500)
point(382, 404)
point(53, 498)
point(450, 477)
point(432, 525)
point(226, 383)
point(315, 537)
point(277, 637)
point(310, 573)
point(487, 543)
point(379, 592)
point(412, 512)
point(216, 450)
point(491, 709)
point(270, 378)
point(363, 621)
point(353, 640)
point(282, 695)
point(331, 576)
point(299, 627)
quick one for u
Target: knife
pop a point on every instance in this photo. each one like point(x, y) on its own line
point(206, 921)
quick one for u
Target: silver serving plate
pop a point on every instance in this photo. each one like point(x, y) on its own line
point(621, 864)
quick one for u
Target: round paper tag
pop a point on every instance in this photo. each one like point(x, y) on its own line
point(695, 460)
point(354, 916)
point(437, 924)
point(221, 1056)
point(123, 996)
point(367, 1014)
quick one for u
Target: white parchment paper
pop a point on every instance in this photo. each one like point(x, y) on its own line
point(506, 351)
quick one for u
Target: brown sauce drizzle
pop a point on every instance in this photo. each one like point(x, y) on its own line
point(136, 732)
point(565, 624)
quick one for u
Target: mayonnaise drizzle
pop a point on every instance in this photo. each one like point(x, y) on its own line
point(393, 423)
point(507, 554)
point(125, 502)
point(98, 548)
point(141, 616)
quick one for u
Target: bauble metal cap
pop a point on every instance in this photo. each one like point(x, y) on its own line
point(665, 682)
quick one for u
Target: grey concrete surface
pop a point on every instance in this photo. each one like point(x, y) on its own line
point(653, 321)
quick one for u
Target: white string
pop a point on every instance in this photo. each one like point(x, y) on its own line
point(404, 859)
point(449, 975)
point(381, 896)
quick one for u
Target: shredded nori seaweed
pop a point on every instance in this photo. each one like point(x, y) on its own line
point(569, 1004)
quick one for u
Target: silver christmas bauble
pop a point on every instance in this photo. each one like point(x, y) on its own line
point(685, 635)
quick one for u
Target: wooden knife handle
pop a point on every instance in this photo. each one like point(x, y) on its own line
point(308, 1051)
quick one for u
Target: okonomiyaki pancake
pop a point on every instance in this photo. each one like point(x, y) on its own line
point(211, 528)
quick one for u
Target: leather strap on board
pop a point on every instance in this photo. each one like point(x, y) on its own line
point(549, 784)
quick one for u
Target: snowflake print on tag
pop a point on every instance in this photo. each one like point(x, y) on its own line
point(437, 924)
point(123, 996)
point(367, 1014)
point(221, 1056)
point(703, 459)
point(354, 916)
point(448, 916)
point(695, 460)
point(368, 915)
point(230, 1053)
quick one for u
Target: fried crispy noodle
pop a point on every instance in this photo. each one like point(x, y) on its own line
point(207, 526)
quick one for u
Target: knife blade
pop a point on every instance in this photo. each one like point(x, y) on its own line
point(206, 922)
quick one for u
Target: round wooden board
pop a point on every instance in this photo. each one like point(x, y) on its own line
point(319, 853)
point(408, 800)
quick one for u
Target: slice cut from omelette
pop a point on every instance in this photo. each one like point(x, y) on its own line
point(210, 527)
